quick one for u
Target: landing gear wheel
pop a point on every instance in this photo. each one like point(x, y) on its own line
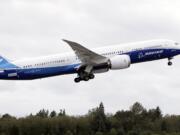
point(86, 78)
point(77, 80)
point(91, 76)
point(169, 63)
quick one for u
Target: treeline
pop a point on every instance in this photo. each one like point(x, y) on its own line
point(135, 121)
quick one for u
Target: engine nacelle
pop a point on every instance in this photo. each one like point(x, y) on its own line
point(120, 62)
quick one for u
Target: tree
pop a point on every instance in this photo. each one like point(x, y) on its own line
point(133, 133)
point(53, 114)
point(7, 116)
point(120, 131)
point(113, 132)
point(137, 121)
point(125, 120)
point(68, 133)
point(98, 119)
point(43, 113)
point(62, 112)
point(14, 130)
point(155, 114)
point(164, 126)
point(137, 108)
point(158, 113)
point(102, 117)
point(99, 133)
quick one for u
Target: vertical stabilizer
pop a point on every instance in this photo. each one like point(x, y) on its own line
point(4, 63)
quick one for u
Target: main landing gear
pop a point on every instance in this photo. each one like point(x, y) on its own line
point(169, 61)
point(84, 77)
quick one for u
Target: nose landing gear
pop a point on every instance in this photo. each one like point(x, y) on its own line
point(169, 61)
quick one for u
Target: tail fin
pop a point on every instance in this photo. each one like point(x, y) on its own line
point(4, 63)
point(3, 60)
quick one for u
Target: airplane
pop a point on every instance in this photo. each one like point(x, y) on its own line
point(86, 63)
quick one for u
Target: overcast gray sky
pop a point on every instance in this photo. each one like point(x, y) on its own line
point(30, 28)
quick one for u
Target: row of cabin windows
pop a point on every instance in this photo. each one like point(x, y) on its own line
point(45, 63)
point(137, 49)
point(119, 52)
point(105, 54)
point(61, 61)
point(111, 53)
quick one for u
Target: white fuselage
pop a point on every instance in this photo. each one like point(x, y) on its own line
point(109, 51)
point(119, 57)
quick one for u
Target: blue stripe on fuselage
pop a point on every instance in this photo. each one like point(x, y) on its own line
point(35, 73)
point(136, 57)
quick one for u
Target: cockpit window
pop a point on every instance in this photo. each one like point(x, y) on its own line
point(176, 43)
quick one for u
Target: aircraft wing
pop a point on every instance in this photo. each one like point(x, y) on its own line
point(85, 55)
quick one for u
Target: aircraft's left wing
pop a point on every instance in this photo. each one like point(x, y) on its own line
point(87, 56)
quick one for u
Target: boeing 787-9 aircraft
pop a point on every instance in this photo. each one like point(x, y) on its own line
point(85, 63)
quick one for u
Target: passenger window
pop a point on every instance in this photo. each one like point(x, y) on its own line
point(176, 43)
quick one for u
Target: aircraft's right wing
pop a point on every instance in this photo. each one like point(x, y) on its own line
point(87, 56)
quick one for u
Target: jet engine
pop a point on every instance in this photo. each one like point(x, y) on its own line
point(120, 62)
